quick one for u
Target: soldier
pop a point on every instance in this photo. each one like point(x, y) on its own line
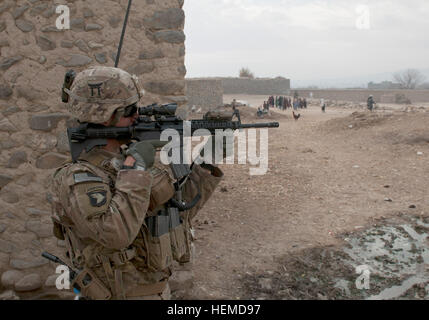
point(370, 103)
point(112, 206)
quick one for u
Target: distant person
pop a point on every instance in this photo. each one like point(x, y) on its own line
point(295, 104)
point(304, 102)
point(323, 104)
point(370, 103)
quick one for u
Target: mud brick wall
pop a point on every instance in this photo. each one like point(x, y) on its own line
point(207, 94)
point(34, 58)
point(276, 86)
point(361, 95)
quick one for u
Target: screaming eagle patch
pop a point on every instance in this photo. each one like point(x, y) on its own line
point(97, 198)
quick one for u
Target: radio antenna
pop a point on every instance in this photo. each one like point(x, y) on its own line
point(118, 55)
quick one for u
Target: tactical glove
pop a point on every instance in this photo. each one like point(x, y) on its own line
point(144, 154)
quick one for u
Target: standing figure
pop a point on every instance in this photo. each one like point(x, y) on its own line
point(114, 207)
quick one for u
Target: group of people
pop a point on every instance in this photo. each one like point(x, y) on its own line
point(284, 103)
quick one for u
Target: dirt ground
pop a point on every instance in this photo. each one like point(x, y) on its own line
point(335, 181)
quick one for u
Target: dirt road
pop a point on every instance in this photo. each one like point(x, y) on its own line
point(330, 176)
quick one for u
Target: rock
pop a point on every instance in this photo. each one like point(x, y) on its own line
point(5, 91)
point(92, 27)
point(50, 160)
point(81, 44)
point(4, 43)
point(40, 229)
point(169, 36)
point(88, 13)
point(25, 179)
point(172, 18)
point(114, 21)
point(40, 142)
point(24, 25)
point(6, 63)
point(5, 6)
point(38, 9)
point(45, 43)
point(4, 180)
point(95, 45)
point(66, 44)
point(36, 212)
point(3, 228)
point(63, 142)
point(7, 247)
point(10, 277)
point(50, 281)
point(9, 197)
point(9, 295)
point(76, 60)
point(50, 29)
point(19, 11)
point(30, 94)
point(141, 68)
point(181, 280)
point(46, 122)
point(49, 12)
point(153, 53)
point(101, 57)
point(181, 70)
point(412, 206)
point(11, 110)
point(77, 24)
point(182, 51)
point(8, 144)
point(29, 283)
point(42, 60)
point(2, 26)
point(6, 126)
point(168, 87)
point(16, 159)
point(28, 264)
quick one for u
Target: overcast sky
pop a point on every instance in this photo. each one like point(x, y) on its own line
point(306, 40)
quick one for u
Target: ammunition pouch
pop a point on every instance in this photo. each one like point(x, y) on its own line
point(90, 286)
point(162, 188)
point(167, 239)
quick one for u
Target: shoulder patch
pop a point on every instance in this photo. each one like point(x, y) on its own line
point(86, 177)
point(97, 198)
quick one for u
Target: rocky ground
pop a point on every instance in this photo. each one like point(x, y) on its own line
point(344, 189)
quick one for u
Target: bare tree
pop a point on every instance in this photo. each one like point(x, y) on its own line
point(409, 79)
point(246, 73)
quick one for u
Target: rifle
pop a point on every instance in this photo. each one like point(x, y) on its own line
point(152, 121)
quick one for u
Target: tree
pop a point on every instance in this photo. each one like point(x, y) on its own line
point(409, 79)
point(246, 73)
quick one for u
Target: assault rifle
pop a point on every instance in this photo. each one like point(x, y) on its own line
point(152, 121)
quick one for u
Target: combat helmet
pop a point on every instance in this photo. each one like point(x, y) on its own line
point(96, 93)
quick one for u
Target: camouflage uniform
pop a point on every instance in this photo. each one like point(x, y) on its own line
point(110, 217)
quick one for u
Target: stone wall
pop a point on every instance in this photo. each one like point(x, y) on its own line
point(204, 93)
point(34, 58)
point(361, 95)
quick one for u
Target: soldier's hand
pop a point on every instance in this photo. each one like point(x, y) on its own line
point(144, 154)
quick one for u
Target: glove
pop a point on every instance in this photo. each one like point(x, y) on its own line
point(144, 154)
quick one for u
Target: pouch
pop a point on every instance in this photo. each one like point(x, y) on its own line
point(162, 188)
point(91, 286)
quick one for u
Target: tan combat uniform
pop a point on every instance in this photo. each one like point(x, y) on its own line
point(114, 224)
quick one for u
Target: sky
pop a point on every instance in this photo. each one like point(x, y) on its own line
point(312, 42)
